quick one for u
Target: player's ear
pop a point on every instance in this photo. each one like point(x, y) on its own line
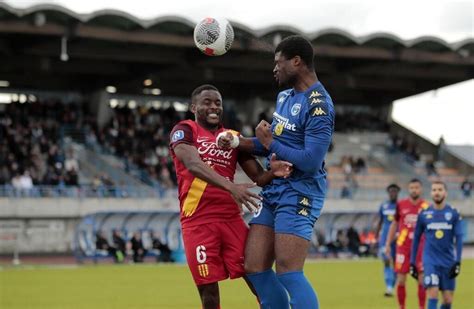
point(296, 61)
point(193, 107)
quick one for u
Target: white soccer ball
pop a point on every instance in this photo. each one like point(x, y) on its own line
point(213, 36)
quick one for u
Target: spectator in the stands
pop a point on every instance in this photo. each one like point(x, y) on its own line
point(466, 188)
point(138, 249)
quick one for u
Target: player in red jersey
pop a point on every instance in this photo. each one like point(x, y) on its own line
point(404, 224)
point(214, 232)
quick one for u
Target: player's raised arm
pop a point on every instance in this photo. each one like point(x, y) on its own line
point(318, 132)
point(249, 145)
point(189, 156)
point(261, 177)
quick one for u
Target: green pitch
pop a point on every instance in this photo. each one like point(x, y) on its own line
point(340, 285)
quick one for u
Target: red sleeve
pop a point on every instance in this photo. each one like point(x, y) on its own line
point(181, 133)
point(397, 212)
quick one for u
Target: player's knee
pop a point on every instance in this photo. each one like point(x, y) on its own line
point(447, 299)
point(401, 280)
point(251, 268)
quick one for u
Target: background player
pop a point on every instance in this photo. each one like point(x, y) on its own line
point(214, 232)
point(442, 226)
point(300, 133)
point(386, 216)
point(406, 215)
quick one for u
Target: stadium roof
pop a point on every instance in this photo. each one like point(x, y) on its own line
point(114, 47)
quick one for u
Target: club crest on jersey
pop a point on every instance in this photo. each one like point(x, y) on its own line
point(178, 135)
point(448, 216)
point(295, 110)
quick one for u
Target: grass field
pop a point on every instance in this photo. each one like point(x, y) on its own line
point(340, 285)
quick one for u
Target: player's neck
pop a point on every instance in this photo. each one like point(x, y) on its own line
point(305, 81)
point(439, 206)
point(414, 201)
point(207, 126)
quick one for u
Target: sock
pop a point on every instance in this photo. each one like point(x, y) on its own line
point(401, 295)
point(269, 290)
point(421, 296)
point(445, 306)
point(389, 277)
point(433, 303)
point(302, 295)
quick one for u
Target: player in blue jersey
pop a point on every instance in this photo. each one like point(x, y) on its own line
point(442, 227)
point(300, 133)
point(386, 216)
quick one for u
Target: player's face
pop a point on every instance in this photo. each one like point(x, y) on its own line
point(284, 71)
point(438, 193)
point(393, 194)
point(207, 108)
point(414, 189)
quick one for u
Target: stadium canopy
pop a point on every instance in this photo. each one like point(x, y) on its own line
point(110, 47)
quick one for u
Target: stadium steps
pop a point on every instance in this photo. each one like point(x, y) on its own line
point(93, 163)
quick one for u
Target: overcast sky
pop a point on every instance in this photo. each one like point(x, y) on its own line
point(451, 20)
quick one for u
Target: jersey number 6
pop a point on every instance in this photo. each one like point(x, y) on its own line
point(201, 254)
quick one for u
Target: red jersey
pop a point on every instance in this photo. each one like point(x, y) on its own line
point(201, 202)
point(406, 215)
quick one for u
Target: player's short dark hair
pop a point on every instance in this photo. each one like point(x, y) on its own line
point(202, 88)
point(394, 186)
point(413, 180)
point(439, 182)
point(296, 45)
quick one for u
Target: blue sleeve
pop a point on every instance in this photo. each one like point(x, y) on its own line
point(459, 237)
point(416, 238)
point(381, 213)
point(258, 148)
point(318, 134)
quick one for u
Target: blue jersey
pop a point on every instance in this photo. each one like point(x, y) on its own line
point(386, 214)
point(302, 126)
point(441, 229)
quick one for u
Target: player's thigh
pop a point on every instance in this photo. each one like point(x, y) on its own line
point(259, 248)
point(402, 260)
point(431, 277)
point(202, 246)
point(445, 282)
point(290, 252)
point(233, 239)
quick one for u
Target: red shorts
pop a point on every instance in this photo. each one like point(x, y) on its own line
point(215, 251)
point(402, 259)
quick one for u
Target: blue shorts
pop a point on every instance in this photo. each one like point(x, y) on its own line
point(438, 276)
point(393, 247)
point(289, 212)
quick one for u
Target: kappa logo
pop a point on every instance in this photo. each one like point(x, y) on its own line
point(316, 101)
point(318, 111)
point(305, 202)
point(315, 94)
point(303, 212)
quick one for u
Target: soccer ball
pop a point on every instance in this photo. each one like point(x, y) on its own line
point(213, 36)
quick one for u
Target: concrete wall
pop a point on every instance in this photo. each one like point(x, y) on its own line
point(47, 225)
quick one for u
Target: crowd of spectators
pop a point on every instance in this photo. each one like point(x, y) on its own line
point(30, 146)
